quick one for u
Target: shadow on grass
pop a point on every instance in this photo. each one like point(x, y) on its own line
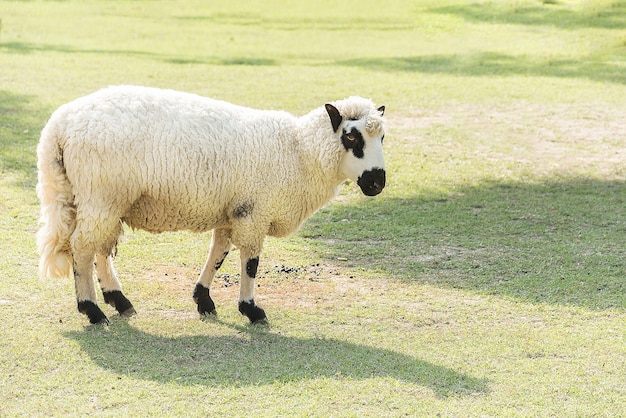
point(496, 64)
point(257, 357)
point(27, 48)
point(560, 242)
point(330, 22)
point(606, 16)
point(20, 125)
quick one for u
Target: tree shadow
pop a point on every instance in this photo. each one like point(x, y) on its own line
point(257, 357)
point(27, 48)
point(20, 124)
point(607, 16)
point(559, 242)
point(496, 64)
point(329, 23)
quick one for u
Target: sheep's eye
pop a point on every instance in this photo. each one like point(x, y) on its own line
point(351, 137)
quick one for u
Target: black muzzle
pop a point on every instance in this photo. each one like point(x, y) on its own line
point(372, 182)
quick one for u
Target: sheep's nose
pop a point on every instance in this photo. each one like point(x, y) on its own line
point(372, 182)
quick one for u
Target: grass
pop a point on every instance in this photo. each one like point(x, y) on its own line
point(487, 280)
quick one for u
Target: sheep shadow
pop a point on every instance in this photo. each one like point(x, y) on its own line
point(254, 357)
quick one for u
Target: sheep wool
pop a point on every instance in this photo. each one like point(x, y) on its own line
point(162, 160)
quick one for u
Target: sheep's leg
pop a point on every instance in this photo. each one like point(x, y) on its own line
point(249, 265)
point(220, 246)
point(111, 286)
point(95, 233)
point(85, 289)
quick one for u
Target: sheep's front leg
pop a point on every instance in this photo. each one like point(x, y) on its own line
point(249, 266)
point(220, 246)
point(111, 286)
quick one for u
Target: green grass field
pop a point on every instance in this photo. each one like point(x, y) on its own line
point(488, 279)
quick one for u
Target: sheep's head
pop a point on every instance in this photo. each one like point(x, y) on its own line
point(360, 126)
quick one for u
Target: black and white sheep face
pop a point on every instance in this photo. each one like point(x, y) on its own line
point(362, 139)
point(363, 161)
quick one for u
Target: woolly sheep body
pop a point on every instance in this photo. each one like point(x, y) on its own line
point(162, 160)
point(226, 154)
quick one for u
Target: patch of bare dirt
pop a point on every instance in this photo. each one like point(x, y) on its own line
point(289, 286)
point(563, 139)
point(294, 286)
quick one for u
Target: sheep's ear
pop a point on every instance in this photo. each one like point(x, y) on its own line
point(381, 110)
point(335, 117)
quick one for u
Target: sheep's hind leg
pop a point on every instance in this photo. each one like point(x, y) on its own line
point(249, 266)
point(85, 289)
point(111, 286)
point(220, 246)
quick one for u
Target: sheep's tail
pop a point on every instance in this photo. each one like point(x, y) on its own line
point(58, 214)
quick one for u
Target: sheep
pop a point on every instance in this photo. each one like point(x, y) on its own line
point(162, 160)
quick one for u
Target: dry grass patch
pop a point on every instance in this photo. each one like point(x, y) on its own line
point(524, 139)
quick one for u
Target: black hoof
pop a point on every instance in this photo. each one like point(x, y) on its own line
point(203, 300)
point(117, 299)
point(95, 315)
point(255, 314)
point(103, 321)
point(128, 312)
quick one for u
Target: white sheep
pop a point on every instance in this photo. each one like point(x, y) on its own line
point(162, 160)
